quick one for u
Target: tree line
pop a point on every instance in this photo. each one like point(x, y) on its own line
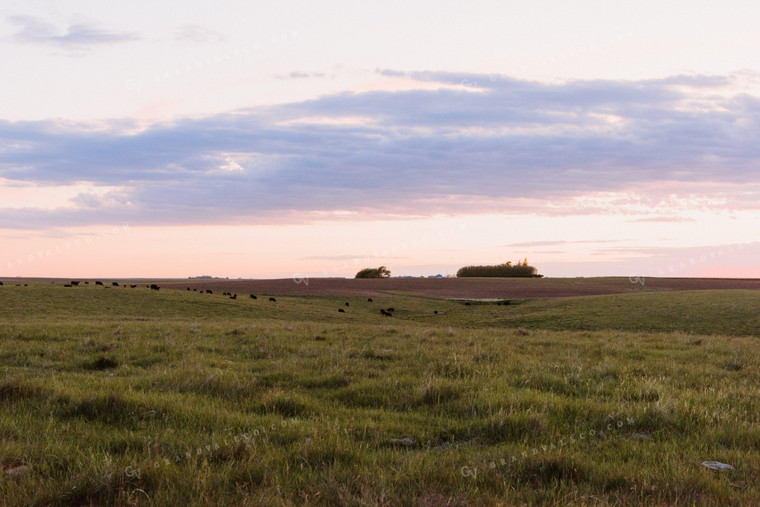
point(522, 269)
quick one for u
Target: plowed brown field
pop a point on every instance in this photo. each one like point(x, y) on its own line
point(469, 288)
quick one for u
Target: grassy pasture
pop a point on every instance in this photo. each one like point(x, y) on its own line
point(137, 397)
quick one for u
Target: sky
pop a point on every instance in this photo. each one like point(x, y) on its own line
point(302, 139)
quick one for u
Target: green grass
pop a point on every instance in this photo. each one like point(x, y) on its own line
point(136, 397)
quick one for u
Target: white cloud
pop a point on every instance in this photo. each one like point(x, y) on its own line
point(79, 35)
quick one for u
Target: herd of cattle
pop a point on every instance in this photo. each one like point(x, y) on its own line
point(386, 312)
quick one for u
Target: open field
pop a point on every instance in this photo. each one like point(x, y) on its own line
point(473, 288)
point(170, 397)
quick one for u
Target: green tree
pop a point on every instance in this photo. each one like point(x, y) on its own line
point(522, 269)
point(381, 272)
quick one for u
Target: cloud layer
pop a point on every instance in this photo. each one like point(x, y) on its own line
point(458, 143)
point(79, 35)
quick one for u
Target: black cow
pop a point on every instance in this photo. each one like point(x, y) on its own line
point(67, 285)
point(390, 310)
point(386, 314)
point(341, 310)
point(195, 290)
point(346, 303)
point(87, 283)
point(273, 299)
point(154, 287)
point(98, 283)
point(369, 300)
point(74, 283)
point(115, 284)
point(253, 296)
point(234, 296)
point(435, 312)
point(188, 288)
point(1, 283)
point(133, 286)
point(208, 291)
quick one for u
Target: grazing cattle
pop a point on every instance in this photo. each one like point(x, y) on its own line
point(234, 296)
point(346, 303)
point(467, 304)
point(154, 287)
point(273, 299)
point(369, 300)
point(195, 290)
point(87, 283)
point(115, 284)
point(133, 286)
point(67, 285)
point(208, 292)
point(188, 288)
point(341, 310)
point(98, 283)
point(1, 283)
point(390, 310)
point(386, 314)
point(435, 312)
point(74, 283)
point(253, 296)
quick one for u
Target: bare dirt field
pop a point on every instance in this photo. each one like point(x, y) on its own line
point(469, 288)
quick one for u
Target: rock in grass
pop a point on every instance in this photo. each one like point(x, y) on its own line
point(405, 442)
point(18, 471)
point(717, 465)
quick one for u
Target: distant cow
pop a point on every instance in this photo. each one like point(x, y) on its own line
point(253, 296)
point(390, 310)
point(369, 300)
point(74, 283)
point(341, 310)
point(346, 303)
point(386, 314)
point(87, 283)
point(67, 285)
point(273, 299)
point(188, 288)
point(154, 287)
point(208, 291)
point(98, 283)
point(133, 286)
point(435, 312)
point(234, 296)
point(1, 283)
point(115, 284)
point(195, 290)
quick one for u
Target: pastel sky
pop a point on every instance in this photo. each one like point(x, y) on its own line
point(300, 139)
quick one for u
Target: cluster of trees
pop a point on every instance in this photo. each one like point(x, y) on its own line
point(381, 272)
point(521, 269)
